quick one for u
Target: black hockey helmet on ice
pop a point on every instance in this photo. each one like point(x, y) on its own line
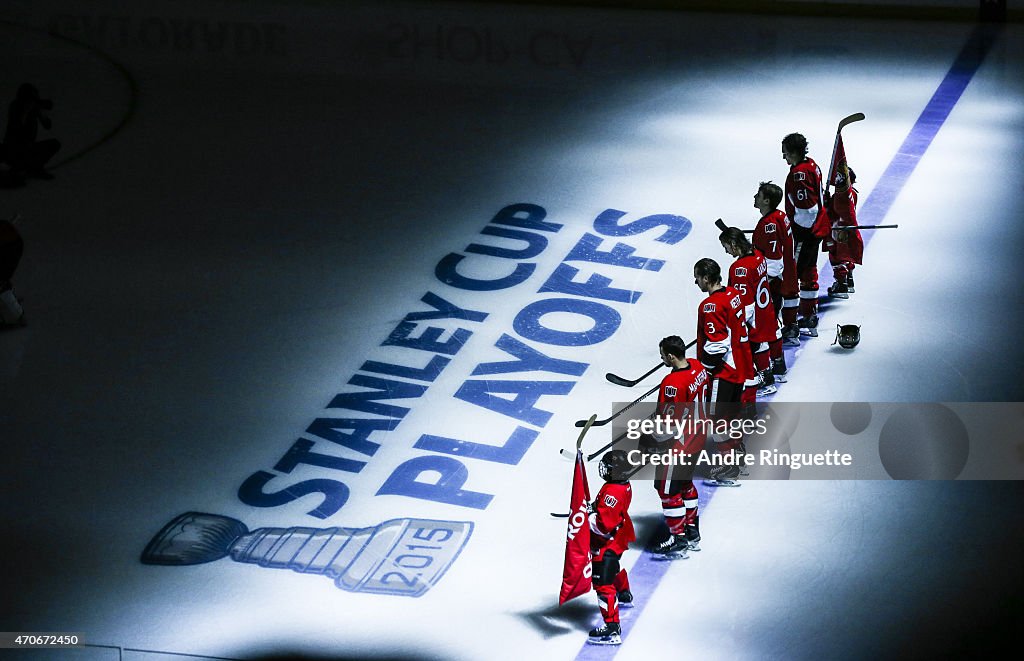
point(847, 336)
point(614, 466)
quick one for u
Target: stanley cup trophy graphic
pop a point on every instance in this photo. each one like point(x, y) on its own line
point(399, 557)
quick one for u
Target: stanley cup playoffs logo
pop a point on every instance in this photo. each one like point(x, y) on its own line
point(399, 557)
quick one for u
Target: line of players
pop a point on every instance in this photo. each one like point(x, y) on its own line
point(740, 356)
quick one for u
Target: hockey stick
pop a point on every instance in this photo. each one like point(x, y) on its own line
point(579, 444)
point(629, 383)
point(590, 457)
point(720, 224)
point(850, 119)
point(601, 423)
point(601, 449)
point(751, 231)
point(587, 424)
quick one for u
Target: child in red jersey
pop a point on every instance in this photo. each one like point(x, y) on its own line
point(611, 531)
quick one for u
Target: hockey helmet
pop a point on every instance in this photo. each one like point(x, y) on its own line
point(848, 336)
point(614, 466)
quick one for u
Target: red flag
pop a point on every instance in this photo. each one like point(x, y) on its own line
point(837, 174)
point(576, 570)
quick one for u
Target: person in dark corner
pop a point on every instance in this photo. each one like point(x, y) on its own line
point(22, 151)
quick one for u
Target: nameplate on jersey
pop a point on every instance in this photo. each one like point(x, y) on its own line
point(741, 271)
point(709, 307)
point(769, 228)
point(799, 176)
point(610, 501)
point(670, 391)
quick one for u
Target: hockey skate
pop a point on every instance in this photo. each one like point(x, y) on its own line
point(767, 383)
point(839, 290)
point(723, 476)
point(849, 284)
point(625, 598)
point(809, 326)
point(790, 336)
point(672, 548)
point(609, 634)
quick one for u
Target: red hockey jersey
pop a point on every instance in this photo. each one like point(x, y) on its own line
point(774, 238)
point(611, 529)
point(721, 331)
point(804, 193)
point(843, 213)
point(685, 391)
point(749, 276)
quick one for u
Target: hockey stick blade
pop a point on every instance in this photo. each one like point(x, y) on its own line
point(855, 117)
point(849, 119)
point(720, 224)
point(629, 383)
point(560, 515)
point(587, 424)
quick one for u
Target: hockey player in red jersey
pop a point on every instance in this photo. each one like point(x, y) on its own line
point(845, 247)
point(721, 333)
point(722, 349)
point(611, 531)
point(773, 236)
point(803, 205)
point(749, 276)
point(683, 394)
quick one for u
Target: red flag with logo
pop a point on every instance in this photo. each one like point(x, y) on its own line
point(838, 164)
point(837, 174)
point(576, 570)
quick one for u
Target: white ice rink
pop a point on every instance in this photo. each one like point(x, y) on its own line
point(263, 211)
